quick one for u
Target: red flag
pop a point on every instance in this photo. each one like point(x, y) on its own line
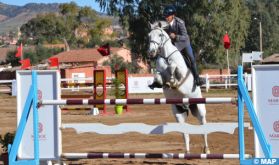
point(104, 50)
point(226, 41)
point(19, 51)
point(25, 64)
point(53, 61)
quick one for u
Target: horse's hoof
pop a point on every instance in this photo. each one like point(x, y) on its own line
point(155, 85)
point(174, 87)
point(172, 80)
point(206, 150)
point(167, 84)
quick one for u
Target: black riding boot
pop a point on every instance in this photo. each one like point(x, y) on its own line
point(198, 81)
point(189, 59)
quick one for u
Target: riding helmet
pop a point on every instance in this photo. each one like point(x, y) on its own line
point(169, 10)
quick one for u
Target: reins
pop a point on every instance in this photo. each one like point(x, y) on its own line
point(162, 44)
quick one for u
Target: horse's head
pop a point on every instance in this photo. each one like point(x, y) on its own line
point(158, 24)
point(157, 38)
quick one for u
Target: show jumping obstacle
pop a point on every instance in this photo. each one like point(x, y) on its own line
point(139, 101)
point(99, 89)
point(153, 129)
point(150, 155)
point(243, 96)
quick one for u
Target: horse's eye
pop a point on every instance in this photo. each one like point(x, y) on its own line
point(161, 35)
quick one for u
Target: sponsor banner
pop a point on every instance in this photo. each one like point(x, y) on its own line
point(49, 115)
point(251, 57)
point(140, 85)
point(266, 101)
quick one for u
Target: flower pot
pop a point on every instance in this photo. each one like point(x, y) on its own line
point(5, 158)
point(118, 109)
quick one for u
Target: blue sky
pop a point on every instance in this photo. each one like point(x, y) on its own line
point(90, 3)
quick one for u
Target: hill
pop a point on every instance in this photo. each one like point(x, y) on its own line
point(12, 17)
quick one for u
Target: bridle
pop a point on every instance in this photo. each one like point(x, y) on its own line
point(162, 43)
point(162, 35)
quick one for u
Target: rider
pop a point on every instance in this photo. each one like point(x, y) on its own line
point(178, 34)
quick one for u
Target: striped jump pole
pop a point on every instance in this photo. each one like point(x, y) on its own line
point(150, 155)
point(139, 101)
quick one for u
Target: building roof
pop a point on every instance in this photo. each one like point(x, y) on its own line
point(272, 59)
point(82, 55)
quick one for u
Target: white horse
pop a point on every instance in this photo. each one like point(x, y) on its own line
point(176, 79)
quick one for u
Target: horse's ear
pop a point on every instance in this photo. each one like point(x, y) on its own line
point(151, 26)
point(163, 24)
point(160, 24)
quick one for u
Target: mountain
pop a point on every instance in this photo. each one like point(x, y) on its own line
point(12, 16)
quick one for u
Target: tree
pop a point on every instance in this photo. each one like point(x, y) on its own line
point(265, 12)
point(87, 15)
point(74, 26)
point(14, 61)
point(69, 9)
point(35, 55)
point(45, 28)
point(206, 22)
point(117, 63)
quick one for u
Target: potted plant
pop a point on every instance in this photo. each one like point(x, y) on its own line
point(5, 141)
point(117, 93)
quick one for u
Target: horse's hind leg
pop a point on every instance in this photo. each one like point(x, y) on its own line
point(181, 114)
point(199, 111)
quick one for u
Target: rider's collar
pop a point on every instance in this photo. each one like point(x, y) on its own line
point(171, 23)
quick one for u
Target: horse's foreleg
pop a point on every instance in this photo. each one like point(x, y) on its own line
point(202, 119)
point(171, 69)
point(157, 82)
point(187, 142)
point(206, 148)
point(180, 118)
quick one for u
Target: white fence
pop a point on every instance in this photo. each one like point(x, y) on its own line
point(225, 81)
point(5, 87)
point(140, 84)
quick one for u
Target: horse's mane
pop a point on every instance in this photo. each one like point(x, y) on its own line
point(159, 24)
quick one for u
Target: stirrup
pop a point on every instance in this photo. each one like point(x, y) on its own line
point(199, 81)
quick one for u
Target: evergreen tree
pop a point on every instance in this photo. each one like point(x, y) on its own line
point(206, 22)
point(117, 63)
point(65, 26)
point(266, 13)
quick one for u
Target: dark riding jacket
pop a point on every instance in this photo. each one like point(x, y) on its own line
point(182, 38)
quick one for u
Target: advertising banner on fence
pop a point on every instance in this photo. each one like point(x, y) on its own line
point(140, 85)
point(49, 115)
point(266, 101)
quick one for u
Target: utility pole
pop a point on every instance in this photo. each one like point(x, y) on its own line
point(261, 36)
point(260, 33)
